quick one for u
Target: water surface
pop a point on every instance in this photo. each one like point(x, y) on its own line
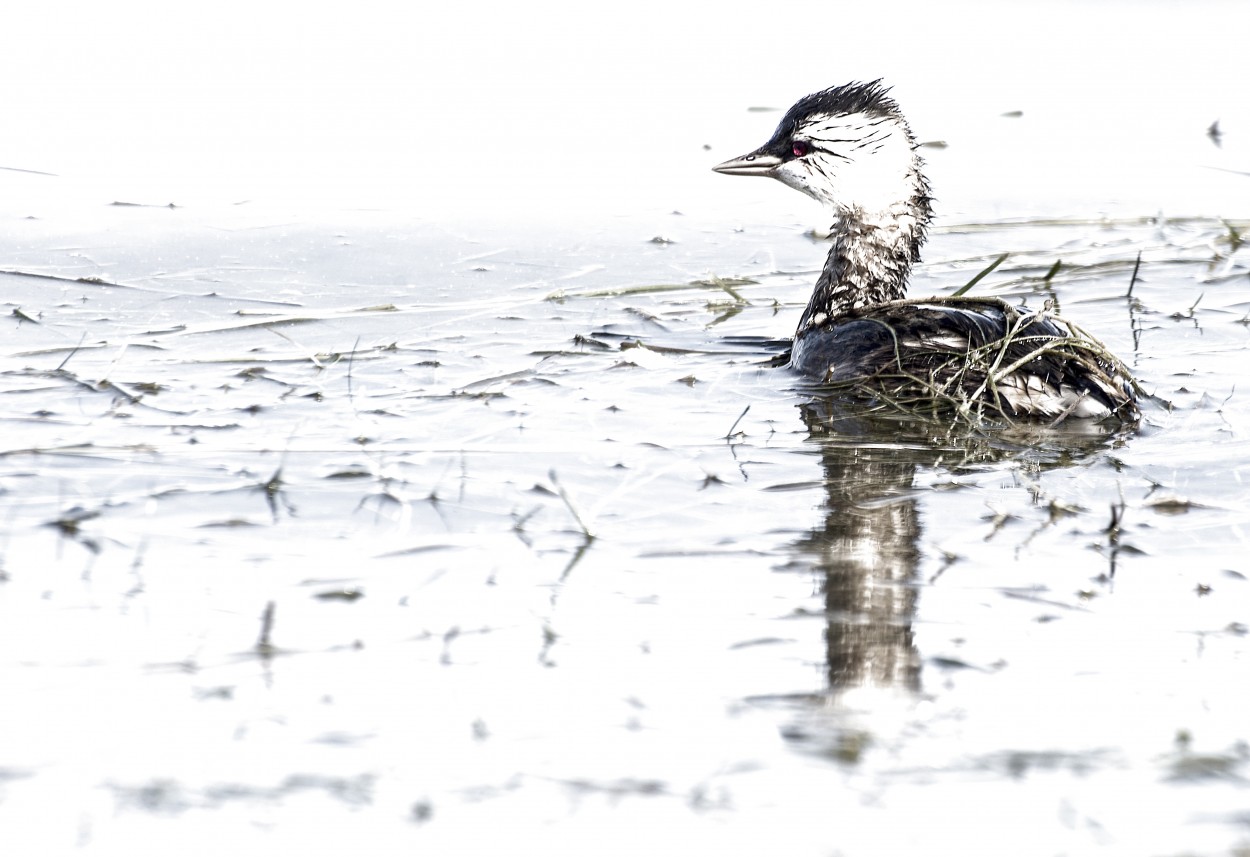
point(345, 526)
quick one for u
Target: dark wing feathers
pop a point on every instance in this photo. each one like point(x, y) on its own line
point(953, 345)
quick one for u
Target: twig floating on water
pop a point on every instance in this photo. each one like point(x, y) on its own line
point(979, 277)
point(730, 433)
point(351, 358)
point(69, 356)
point(590, 537)
point(264, 646)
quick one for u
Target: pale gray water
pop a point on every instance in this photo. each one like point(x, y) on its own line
point(791, 631)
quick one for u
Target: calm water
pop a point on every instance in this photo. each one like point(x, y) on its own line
point(429, 491)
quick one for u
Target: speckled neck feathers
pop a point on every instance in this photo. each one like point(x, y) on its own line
point(870, 260)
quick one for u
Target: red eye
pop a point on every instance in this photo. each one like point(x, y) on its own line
point(800, 148)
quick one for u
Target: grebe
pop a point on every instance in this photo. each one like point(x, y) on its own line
point(850, 148)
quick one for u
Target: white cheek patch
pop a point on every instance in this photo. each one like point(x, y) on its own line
point(798, 175)
point(858, 161)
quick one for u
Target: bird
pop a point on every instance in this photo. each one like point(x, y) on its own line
point(850, 148)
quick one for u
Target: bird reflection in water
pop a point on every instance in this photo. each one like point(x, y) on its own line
point(866, 549)
point(867, 553)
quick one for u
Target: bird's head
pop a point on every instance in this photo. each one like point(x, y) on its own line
point(848, 147)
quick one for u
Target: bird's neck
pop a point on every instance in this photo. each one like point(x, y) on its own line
point(869, 262)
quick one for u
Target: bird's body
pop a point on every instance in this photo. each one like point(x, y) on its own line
point(850, 148)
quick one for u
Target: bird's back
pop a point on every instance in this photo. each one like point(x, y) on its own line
point(968, 352)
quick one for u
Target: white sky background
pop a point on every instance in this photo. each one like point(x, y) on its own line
point(558, 108)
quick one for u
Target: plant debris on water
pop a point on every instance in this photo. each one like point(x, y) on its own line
point(383, 518)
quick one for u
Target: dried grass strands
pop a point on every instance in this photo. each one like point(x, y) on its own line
point(968, 382)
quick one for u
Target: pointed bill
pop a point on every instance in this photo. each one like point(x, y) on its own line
point(758, 163)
